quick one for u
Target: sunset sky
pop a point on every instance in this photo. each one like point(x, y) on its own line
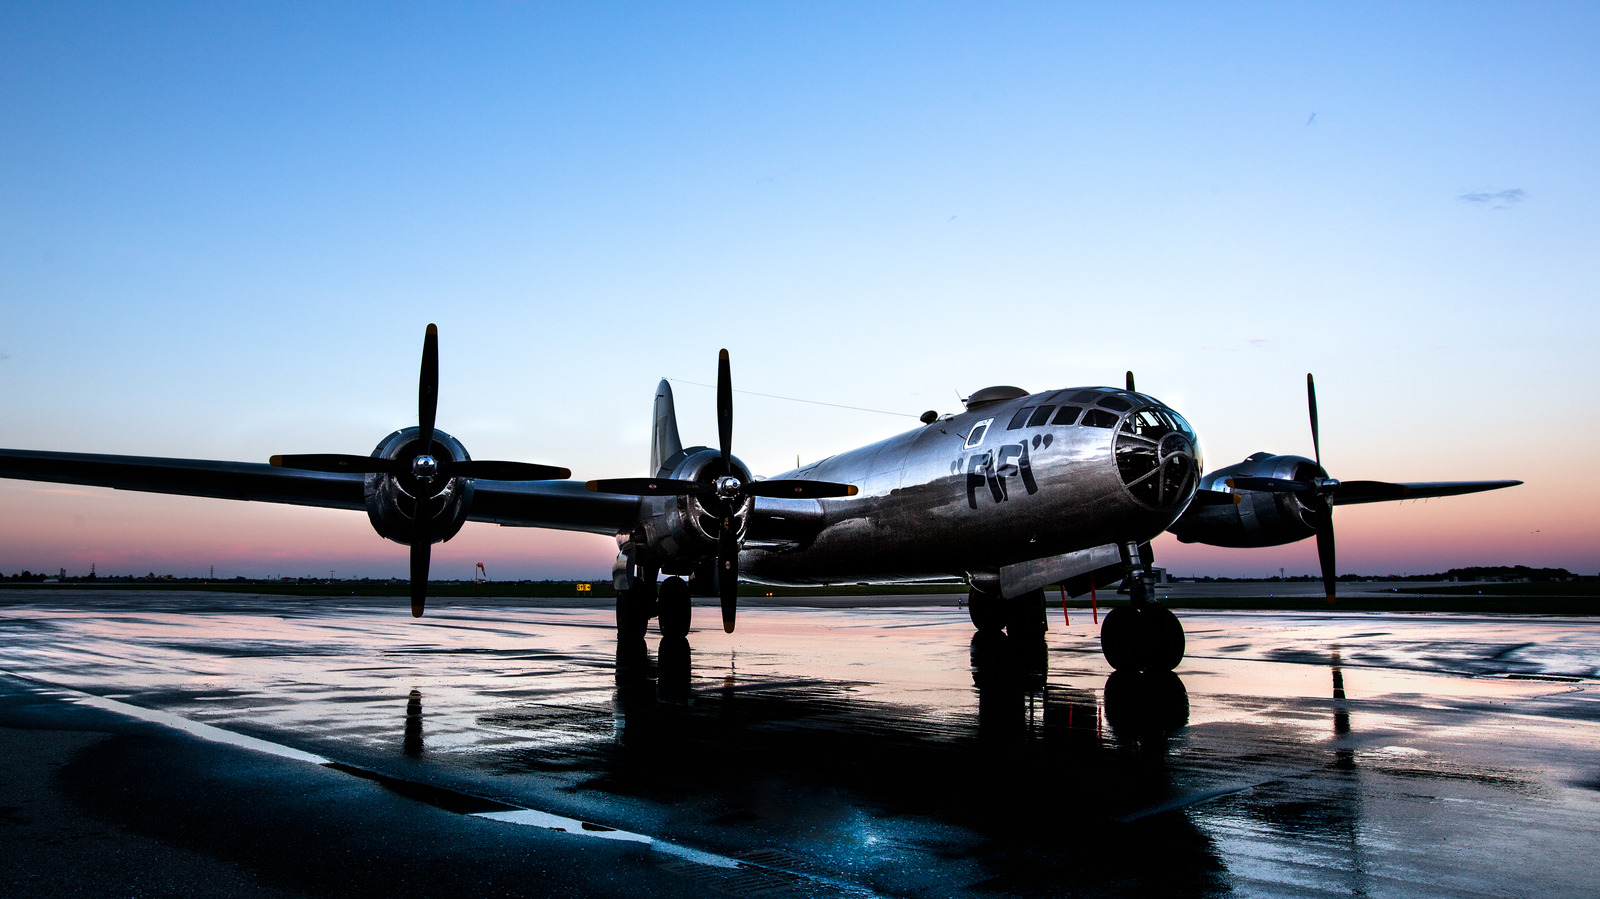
point(223, 228)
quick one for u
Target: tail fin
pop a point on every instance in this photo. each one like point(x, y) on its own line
point(664, 443)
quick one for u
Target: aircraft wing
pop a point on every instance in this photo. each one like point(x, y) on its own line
point(563, 505)
point(187, 477)
point(1352, 492)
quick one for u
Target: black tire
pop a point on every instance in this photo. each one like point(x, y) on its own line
point(1025, 615)
point(633, 615)
point(988, 613)
point(1163, 634)
point(1122, 639)
point(1145, 637)
point(673, 599)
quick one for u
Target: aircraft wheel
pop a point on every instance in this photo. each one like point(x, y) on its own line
point(1025, 615)
point(1164, 643)
point(673, 596)
point(987, 610)
point(1121, 639)
point(633, 615)
point(1145, 637)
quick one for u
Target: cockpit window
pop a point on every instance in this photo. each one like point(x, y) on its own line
point(1157, 458)
point(1086, 396)
point(1020, 419)
point(1147, 423)
point(1040, 416)
point(1116, 403)
point(1099, 418)
point(1066, 415)
point(978, 430)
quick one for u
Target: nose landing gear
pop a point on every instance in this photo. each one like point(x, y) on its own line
point(1143, 635)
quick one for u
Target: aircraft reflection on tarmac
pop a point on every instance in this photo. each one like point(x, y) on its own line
point(1057, 754)
point(412, 745)
point(1009, 675)
point(1087, 758)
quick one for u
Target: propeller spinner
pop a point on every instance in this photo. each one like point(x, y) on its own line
point(425, 468)
point(726, 493)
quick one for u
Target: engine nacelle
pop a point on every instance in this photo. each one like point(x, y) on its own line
point(679, 531)
point(1261, 518)
point(396, 503)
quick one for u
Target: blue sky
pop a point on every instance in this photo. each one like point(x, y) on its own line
point(223, 228)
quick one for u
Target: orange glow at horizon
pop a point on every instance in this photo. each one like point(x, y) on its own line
point(45, 528)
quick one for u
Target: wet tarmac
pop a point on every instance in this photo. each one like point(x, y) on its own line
point(818, 751)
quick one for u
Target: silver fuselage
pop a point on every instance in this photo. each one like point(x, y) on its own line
point(940, 501)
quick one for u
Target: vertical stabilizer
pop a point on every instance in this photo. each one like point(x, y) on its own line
point(664, 442)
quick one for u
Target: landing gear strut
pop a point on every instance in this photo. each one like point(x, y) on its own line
point(1142, 636)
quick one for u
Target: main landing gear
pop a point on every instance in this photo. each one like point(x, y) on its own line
point(1143, 635)
point(1020, 616)
point(668, 601)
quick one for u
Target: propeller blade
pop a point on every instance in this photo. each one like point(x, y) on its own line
point(1270, 485)
point(646, 486)
point(1311, 401)
point(725, 410)
point(421, 551)
point(1350, 492)
point(507, 471)
point(797, 489)
point(728, 572)
point(428, 388)
point(1330, 576)
point(337, 463)
point(1130, 383)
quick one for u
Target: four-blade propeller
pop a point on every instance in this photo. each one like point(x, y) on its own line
point(430, 472)
point(1316, 492)
point(724, 494)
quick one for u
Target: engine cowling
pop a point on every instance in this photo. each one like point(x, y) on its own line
point(396, 502)
point(679, 531)
point(1260, 518)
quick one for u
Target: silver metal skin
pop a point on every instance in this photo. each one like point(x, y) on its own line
point(1260, 518)
point(944, 501)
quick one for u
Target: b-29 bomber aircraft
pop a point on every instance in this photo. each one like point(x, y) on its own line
point(1017, 492)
